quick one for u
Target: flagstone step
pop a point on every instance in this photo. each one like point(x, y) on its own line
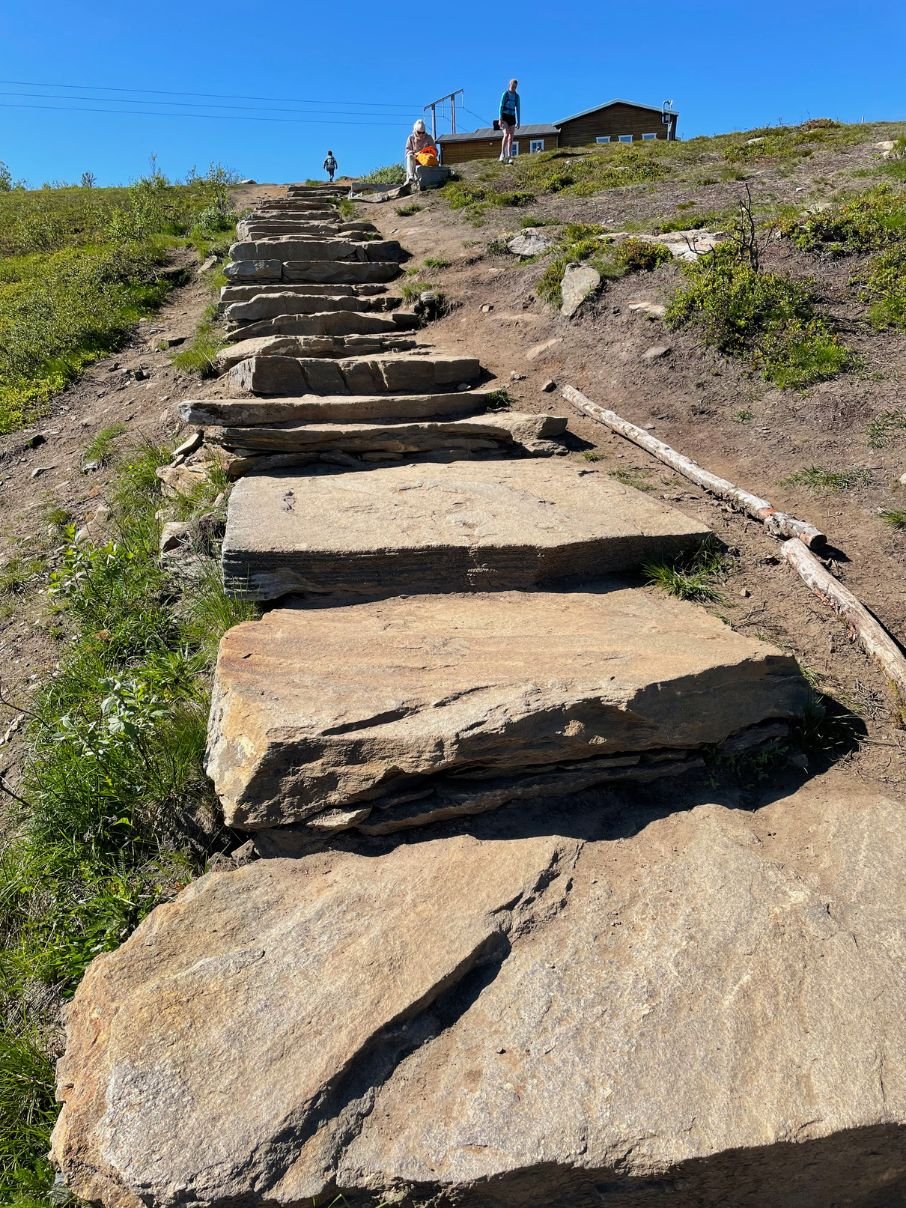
point(373, 375)
point(468, 526)
point(414, 709)
point(313, 346)
point(393, 436)
point(342, 408)
point(345, 272)
point(268, 228)
point(295, 248)
point(318, 312)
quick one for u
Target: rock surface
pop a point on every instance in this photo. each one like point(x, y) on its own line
point(471, 526)
point(376, 374)
point(326, 272)
point(298, 249)
point(699, 1009)
point(316, 408)
point(317, 315)
point(437, 699)
point(580, 282)
point(529, 243)
point(311, 346)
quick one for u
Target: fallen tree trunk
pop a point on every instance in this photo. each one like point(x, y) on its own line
point(870, 633)
point(777, 523)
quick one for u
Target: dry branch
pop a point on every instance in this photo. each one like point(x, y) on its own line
point(778, 524)
point(870, 633)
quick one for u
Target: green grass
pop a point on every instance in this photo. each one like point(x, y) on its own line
point(79, 267)
point(389, 174)
point(814, 478)
point(883, 287)
point(631, 476)
point(114, 795)
point(199, 354)
point(408, 210)
point(743, 416)
point(436, 262)
point(863, 222)
point(691, 578)
point(886, 425)
point(896, 518)
point(99, 452)
point(582, 241)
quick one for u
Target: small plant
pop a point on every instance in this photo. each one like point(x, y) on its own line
point(199, 355)
point(593, 455)
point(640, 255)
point(896, 518)
point(411, 289)
point(887, 424)
point(437, 262)
point(346, 208)
point(813, 478)
point(631, 476)
point(691, 578)
point(408, 210)
point(498, 400)
point(389, 174)
point(743, 416)
point(883, 287)
point(99, 452)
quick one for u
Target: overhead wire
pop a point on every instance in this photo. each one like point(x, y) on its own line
point(214, 117)
point(47, 96)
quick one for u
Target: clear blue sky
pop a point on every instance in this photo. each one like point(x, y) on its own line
point(371, 66)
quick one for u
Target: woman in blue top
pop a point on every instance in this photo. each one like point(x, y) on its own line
point(509, 120)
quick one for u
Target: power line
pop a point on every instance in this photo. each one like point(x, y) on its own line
point(214, 117)
point(220, 96)
point(49, 96)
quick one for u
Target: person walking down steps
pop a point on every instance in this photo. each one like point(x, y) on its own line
point(509, 120)
point(330, 165)
point(418, 143)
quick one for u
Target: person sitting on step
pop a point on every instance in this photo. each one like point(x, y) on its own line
point(418, 140)
point(330, 165)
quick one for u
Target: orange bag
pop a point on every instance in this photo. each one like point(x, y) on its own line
point(427, 158)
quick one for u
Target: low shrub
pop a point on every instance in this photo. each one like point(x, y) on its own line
point(694, 577)
point(766, 317)
point(389, 174)
point(865, 222)
point(814, 478)
point(640, 255)
point(883, 287)
point(884, 426)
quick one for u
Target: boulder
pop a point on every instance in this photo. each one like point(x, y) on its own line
point(429, 706)
point(651, 310)
point(580, 282)
point(342, 408)
point(378, 374)
point(703, 1008)
point(529, 243)
point(471, 526)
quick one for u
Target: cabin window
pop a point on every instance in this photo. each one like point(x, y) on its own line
point(515, 149)
point(648, 137)
point(603, 138)
point(536, 144)
point(625, 138)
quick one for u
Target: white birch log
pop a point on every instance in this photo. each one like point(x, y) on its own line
point(777, 523)
point(869, 632)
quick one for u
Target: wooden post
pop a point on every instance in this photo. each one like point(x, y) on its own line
point(869, 632)
point(778, 524)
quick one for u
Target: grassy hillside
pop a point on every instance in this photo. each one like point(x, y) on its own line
point(79, 266)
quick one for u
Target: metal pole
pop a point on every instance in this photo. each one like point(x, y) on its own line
point(453, 111)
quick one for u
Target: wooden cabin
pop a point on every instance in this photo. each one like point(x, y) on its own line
point(615, 122)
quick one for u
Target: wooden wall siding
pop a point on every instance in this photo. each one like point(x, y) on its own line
point(481, 148)
point(613, 121)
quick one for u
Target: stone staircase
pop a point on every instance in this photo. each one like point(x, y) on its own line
point(532, 1008)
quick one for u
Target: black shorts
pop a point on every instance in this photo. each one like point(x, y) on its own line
point(508, 119)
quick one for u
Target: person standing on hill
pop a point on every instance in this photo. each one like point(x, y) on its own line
point(330, 165)
point(509, 120)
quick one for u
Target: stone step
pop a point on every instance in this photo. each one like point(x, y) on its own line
point(296, 325)
point(322, 409)
point(251, 229)
point(374, 375)
point(344, 272)
point(245, 293)
point(504, 428)
point(683, 1007)
point(406, 706)
point(299, 249)
point(312, 346)
point(471, 526)
point(356, 315)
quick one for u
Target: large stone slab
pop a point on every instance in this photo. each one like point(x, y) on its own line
point(505, 428)
point(303, 325)
point(384, 373)
point(706, 1012)
point(331, 315)
point(344, 408)
point(328, 272)
point(244, 293)
point(464, 527)
point(419, 707)
point(290, 249)
point(269, 228)
point(311, 346)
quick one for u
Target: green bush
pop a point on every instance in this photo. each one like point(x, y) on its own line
point(766, 317)
point(884, 288)
point(389, 174)
point(865, 222)
point(581, 241)
point(640, 255)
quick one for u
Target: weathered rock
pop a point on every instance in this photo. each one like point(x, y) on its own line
point(327, 272)
point(294, 248)
point(374, 375)
point(503, 428)
point(343, 408)
point(471, 526)
point(656, 352)
point(301, 325)
point(348, 316)
point(311, 346)
point(580, 282)
point(705, 1012)
point(652, 310)
point(244, 293)
point(444, 705)
point(529, 243)
point(688, 245)
point(539, 350)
